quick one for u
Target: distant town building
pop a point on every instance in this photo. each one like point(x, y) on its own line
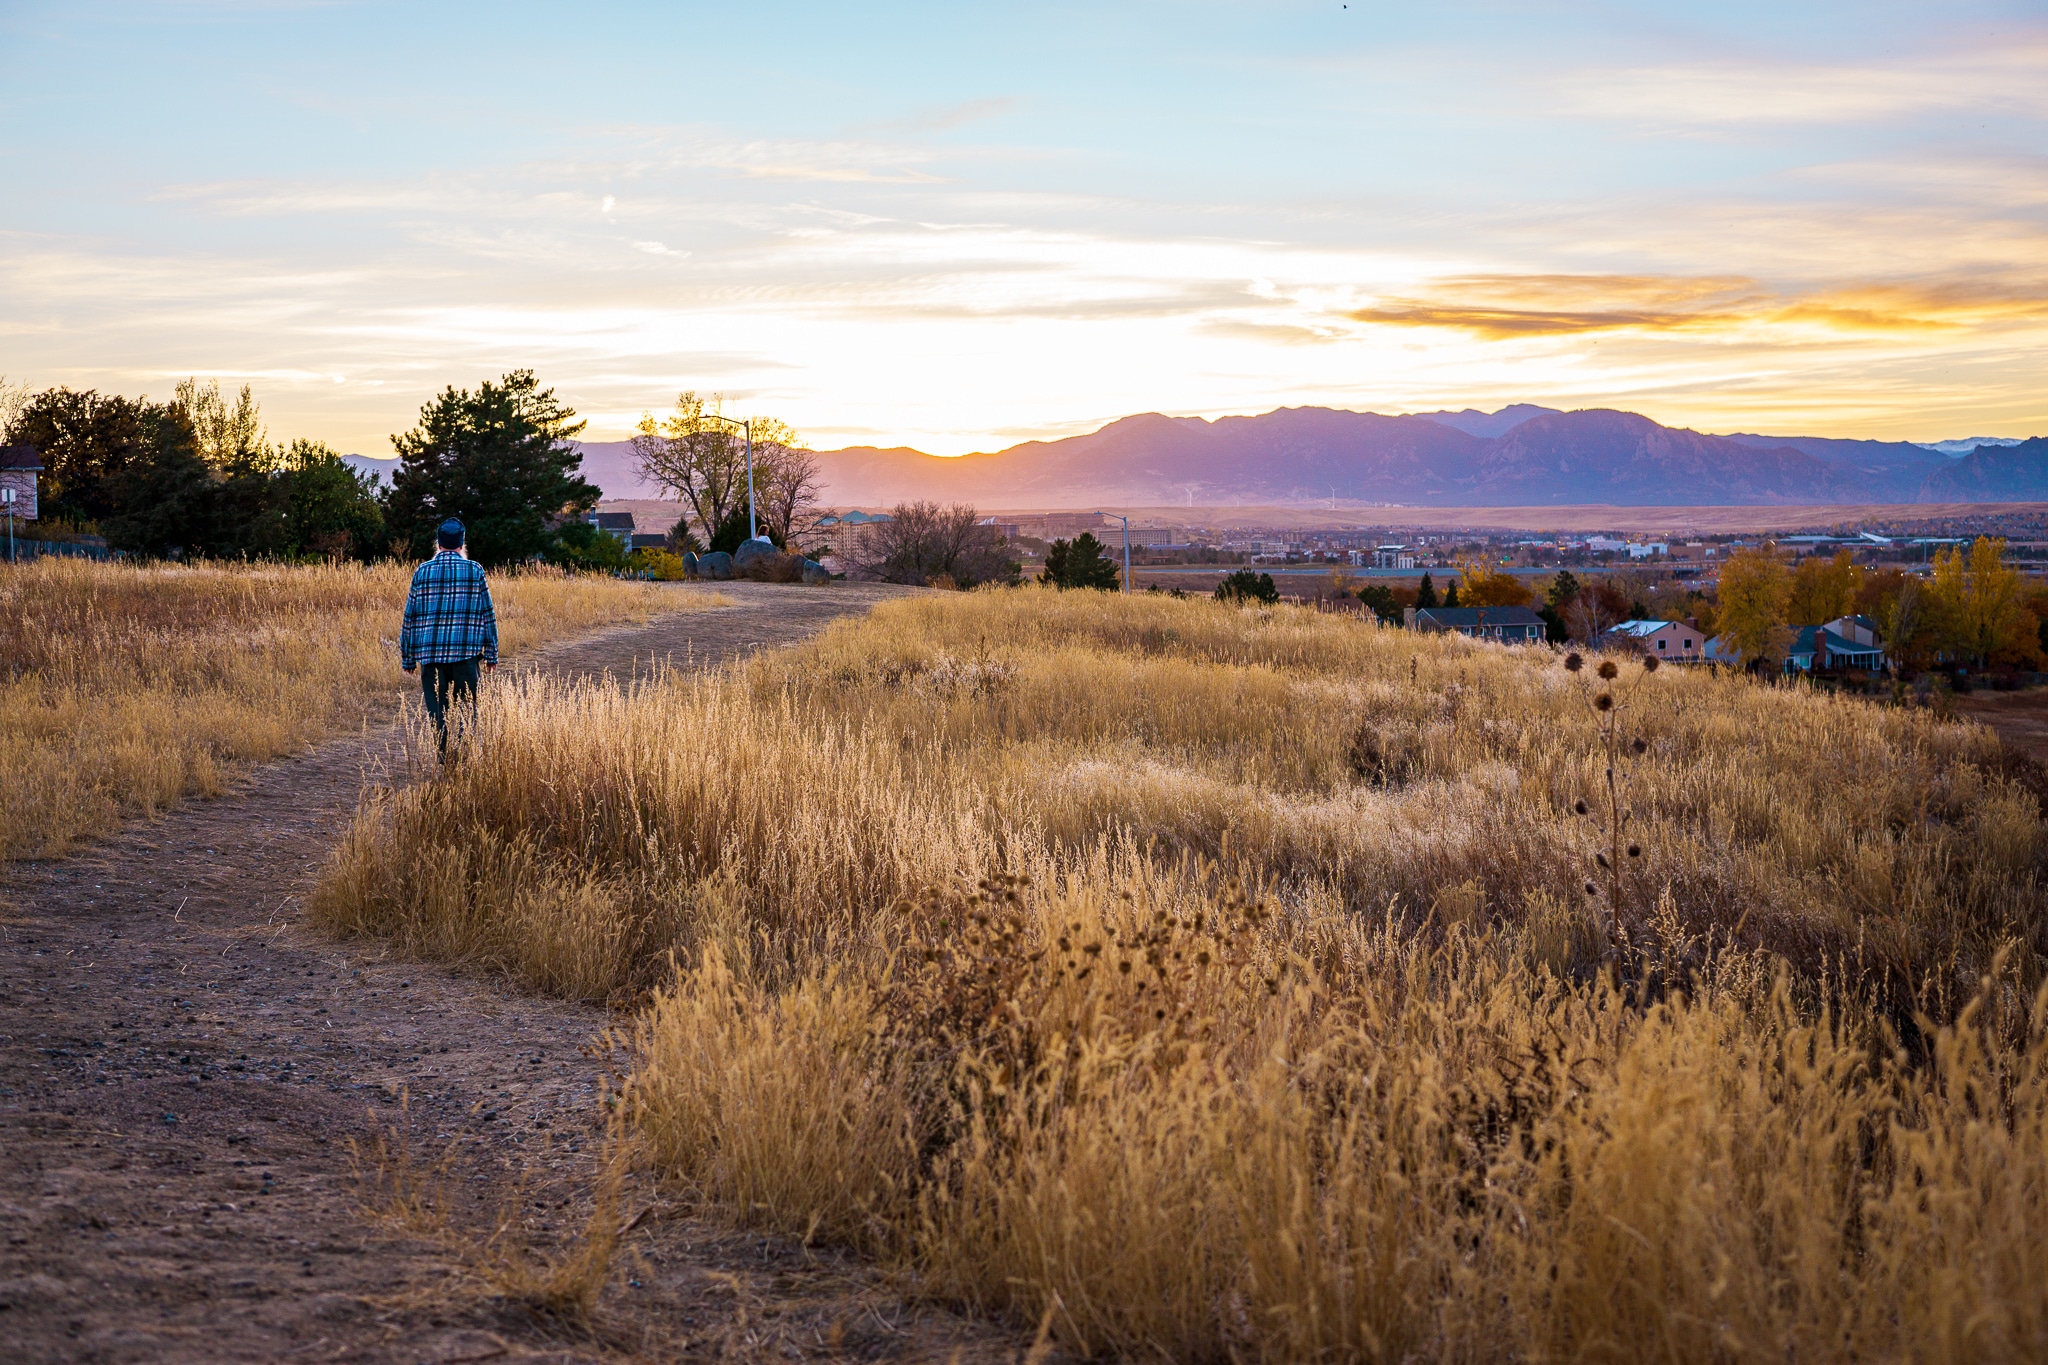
point(846, 530)
point(1061, 525)
point(19, 466)
point(1507, 625)
point(1393, 557)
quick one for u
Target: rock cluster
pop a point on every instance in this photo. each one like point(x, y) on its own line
point(757, 559)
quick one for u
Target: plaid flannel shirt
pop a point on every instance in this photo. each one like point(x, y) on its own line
point(448, 616)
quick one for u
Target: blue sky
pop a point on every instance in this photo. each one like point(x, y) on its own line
point(961, 226)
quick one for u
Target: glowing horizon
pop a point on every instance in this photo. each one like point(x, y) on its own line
point(957, 231)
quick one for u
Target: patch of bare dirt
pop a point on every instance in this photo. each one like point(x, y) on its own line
point(2020, 719)
point(185, 1071)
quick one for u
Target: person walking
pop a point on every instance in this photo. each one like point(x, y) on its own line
point(450, 632)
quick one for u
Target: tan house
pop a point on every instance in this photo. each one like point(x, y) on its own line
point(1678, 642)
point(19, 466)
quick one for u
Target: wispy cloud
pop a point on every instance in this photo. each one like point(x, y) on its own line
point(1996, 78)
point(946, 117)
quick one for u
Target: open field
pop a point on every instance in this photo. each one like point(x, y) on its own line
point(184, 1069)
point(1215, 983)
point(124, 688)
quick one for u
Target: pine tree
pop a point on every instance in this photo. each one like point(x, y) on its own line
point(1425, 596)
point(1080, 564)
point(500, 461)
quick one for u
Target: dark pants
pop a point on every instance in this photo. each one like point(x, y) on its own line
point(442, 683)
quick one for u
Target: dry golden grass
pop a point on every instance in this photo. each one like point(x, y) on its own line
point(1389, 1103)
point(124, 688)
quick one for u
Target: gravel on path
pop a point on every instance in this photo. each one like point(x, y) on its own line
point(187, 1076)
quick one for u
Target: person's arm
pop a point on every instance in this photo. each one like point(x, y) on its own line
point(409, 626)
point(490, 623)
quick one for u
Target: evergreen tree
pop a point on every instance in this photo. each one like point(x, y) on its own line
point(1380, 598)
point(1080, 564)
point(498, 459)
point(1244, 585)
point(1055, 571)
point(1425, 596)
point(731, 533)
point(1451, 595)
point(1557, 598)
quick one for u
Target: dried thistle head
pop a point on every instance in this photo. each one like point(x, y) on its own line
point(1649, 663)
point(1605, 701)
point(1608, 670)
point(1573, 662)
point(1640, 745)
point(1579, 806)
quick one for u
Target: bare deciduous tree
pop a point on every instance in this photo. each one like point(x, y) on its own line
point(786, 485)
point(923, 541)
point(13, 398)
point(696, 457)
point(701, 457)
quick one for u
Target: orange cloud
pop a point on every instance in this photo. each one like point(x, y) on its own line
point(1510, 307)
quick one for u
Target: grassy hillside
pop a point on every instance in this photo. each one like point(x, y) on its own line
point(1213, 982)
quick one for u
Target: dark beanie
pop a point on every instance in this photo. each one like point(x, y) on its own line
point(450, 534)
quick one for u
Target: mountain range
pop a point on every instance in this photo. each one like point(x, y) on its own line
point(1519, 456)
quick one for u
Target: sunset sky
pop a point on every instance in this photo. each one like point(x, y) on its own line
point(960, 226)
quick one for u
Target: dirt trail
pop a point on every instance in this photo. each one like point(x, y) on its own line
point(183, 1067)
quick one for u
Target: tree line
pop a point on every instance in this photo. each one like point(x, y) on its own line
point(198, 475)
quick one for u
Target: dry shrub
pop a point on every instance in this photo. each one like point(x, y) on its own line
point(126, 687)
point(1258, 1052)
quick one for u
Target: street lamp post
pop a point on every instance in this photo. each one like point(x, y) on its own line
point(746, 426)
point(1127, 545)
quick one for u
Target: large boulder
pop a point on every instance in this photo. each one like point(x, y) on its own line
point(775, 567)
point(760, 547)
point(716, 566)
point(689, 563)
point(815, 573)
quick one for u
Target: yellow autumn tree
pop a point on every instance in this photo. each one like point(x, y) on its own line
point(1483, 585)
point(1823, 589)
point(1756, 595)
point(1979, 611)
